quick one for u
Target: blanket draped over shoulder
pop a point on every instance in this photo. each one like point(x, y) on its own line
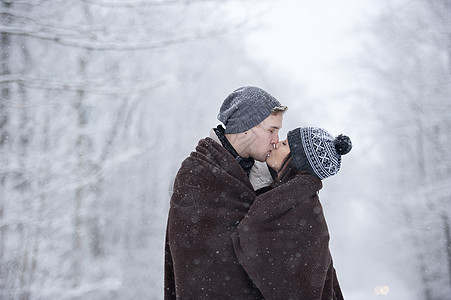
point(211, 195)
point(283, 243)
point(224, 242)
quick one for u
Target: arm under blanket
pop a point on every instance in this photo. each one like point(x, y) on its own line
point(211, 195)
point(283, 243)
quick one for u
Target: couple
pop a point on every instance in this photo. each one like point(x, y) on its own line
point(235, 232)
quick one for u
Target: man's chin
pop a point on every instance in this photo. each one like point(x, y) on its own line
point(262, 159)
point(259, 159)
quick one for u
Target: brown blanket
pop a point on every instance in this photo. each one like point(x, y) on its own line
point(211, 196)
point(223, 242)
point(283, 243)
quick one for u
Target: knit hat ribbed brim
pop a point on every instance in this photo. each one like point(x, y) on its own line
point(245, 108)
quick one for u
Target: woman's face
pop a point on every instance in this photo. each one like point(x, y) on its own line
point(277, 156)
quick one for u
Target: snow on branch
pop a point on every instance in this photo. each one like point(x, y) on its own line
point(135, 4)
point(92, 43)
point(108, 284)
point(91, 87)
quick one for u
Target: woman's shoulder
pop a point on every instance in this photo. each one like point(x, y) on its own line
point(302, 184)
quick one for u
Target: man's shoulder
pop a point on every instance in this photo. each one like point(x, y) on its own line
point(259, 176)
point(209, 146)
point(214, 136)
point(210, 151)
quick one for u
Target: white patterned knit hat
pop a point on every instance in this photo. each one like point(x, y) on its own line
point(317, 151)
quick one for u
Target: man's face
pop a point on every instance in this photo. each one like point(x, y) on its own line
point(261, 138)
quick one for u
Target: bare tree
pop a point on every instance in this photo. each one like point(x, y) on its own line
point(84, 86)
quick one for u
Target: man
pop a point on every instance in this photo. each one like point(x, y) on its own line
point(213, 192)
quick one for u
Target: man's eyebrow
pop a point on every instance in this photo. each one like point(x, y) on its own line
point(269, 127)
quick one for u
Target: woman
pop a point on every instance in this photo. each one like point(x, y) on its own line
point(283, 242)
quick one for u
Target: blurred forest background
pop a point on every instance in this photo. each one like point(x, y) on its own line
point(101, 100)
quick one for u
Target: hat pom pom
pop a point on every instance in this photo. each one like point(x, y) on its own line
point(342, 144)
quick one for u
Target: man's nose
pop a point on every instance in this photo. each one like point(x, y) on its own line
point(274, 141)
point(277, 145)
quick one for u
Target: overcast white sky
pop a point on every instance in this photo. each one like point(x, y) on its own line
point(309, 40)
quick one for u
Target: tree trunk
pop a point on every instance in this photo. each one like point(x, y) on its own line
point(447, 238)
point(44, 179)
point(24, 176)
point(81, 173)
point(5, 44)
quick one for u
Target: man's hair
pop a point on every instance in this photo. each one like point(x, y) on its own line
point(279, 110)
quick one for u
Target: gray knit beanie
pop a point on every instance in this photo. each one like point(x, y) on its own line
point(317, 151)
point(245, 108)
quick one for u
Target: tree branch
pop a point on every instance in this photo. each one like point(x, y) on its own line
point(80, 40)
point(99, 88)
point(144, 3)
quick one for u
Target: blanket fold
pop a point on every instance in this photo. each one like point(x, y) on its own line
point(210, 197)
point(283, 243)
